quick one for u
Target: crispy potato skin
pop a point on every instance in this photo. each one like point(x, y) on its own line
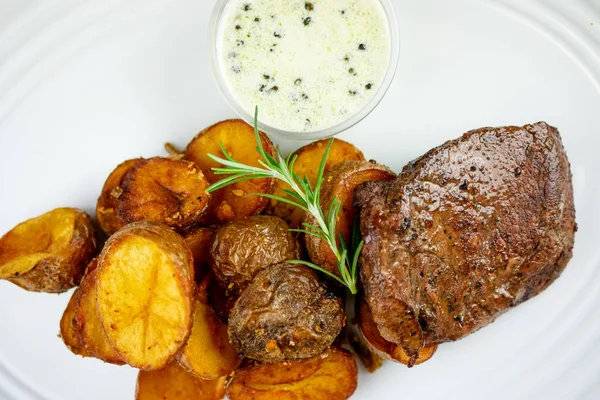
point(208, 353)
point(106, 207)
point(199, 240)
point(145, 291)
point(243, 248)
point(70, 330)
point(332, 375)
point(285, 314)
point(307, 165)
point(380, 346)
point(91, 334)
point(229, 204)
point(174, 383)
point(48, 253)
point(162, 190)
point(340, 183)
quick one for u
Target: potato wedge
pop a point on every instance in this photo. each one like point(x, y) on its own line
point(106, 207)
point(91, 333)
point(163, 190)
point(69, 329)
point(145, 292)
point(380, 346)
point(237, 137)
point(174, 383)
point(340, 183)
point(332, 375)
point(307, 164)
point(48, 253)
point(198, 240)
point(208, 353)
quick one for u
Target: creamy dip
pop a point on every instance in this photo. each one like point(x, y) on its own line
point(307, 65)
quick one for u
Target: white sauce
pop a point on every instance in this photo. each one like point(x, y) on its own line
point(307, 65)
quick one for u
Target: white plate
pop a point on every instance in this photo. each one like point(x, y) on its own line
point(87, 84)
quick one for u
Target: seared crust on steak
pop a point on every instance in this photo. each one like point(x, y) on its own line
point(469, 230)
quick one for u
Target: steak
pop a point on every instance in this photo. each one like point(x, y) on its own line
point(464, 233)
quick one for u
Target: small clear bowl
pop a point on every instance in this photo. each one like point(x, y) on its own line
point(323, 133)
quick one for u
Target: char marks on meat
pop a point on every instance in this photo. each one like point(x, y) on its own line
point(469, 230)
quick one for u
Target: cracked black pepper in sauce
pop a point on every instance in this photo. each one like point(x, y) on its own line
point(308, 65)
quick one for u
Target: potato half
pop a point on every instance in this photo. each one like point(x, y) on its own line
point(106, 207)
point(339, 183)
point(307, 165)
point(380, 346)
point(237, 137)
point(208, 353)
point(70, 330)
point(332, 375)
point(90, 331)
point(174, 383)
point(145, 292)
point(162, 190)
point(48, 253)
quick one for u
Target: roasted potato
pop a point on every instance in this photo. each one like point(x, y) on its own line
point(307, 165)
point(339, 183)
point(199, 240)
point(145, 293)
point(70, 330)
point(237, 137)
point(371, 361)
point(285, 314)
point(174, 383)
point(208, 353)
point(332, 375)
point(106, 207)
point(380, 346)
point(241, 249)
point(163, 190)
point(91, 333)
point(48, 253)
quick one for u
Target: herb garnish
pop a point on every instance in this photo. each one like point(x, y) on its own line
point(303, 196)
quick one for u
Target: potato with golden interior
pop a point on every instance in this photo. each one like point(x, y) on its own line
point(174, 383)
point(237, 137)
point(380, 346)
point(162, 190)
point(145, 293)
point(307, 165)
point(332, 375)
point(106, 207)
point(208, 353)
point(70, 330)
point(90, 331)
point(48, 253)
point(339, 183)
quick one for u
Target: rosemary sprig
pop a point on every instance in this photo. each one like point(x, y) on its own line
point(303, 196)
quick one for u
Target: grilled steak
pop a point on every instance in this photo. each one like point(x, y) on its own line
point(469, 230)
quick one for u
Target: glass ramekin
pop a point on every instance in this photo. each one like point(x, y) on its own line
point(315, 135)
